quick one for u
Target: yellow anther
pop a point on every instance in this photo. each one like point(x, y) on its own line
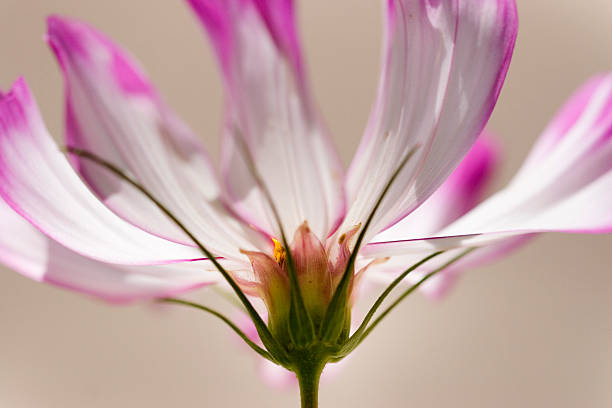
point(279, 251)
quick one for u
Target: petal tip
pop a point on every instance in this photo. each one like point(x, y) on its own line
point(63, 32)
point(14, 106)
point(69, 38)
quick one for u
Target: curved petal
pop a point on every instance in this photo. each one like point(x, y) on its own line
point(567, 117)
point(115, 112)
point(566, 189)
point(42, 259)
point(270, 116)
point(443, 68)
point(459, 194)
point(37, 181)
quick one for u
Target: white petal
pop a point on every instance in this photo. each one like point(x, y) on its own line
point(29, 252)
point(568, 188)
point(459, 194)
point(114, 112)
point(38, 182)
point(270, 109)
point(444, 64)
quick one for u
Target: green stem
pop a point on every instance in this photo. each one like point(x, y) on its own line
point(308, 376)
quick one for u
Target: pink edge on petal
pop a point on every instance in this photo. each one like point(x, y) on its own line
point(279, 17)
point(218, 23)
point(39, 258)
point(507, 14)
point(15, 107)
point(114, 111)
point(565, 190)
point(569, 114)
point(564, 186)
point(76, 36)
point(269, 108)
point(440, 105)
point(39, 184)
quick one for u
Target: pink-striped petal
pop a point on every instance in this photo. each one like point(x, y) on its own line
point(37, 181)
point(443, 68)
point(114, 111)
point(270, 115)
point(459, 194)
point(566, 189)
point(29, 252)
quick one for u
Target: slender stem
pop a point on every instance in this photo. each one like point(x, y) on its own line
point(226, 320)
point(262, 329)
point(308, 378)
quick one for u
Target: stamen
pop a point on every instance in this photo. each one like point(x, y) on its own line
point(279, 252)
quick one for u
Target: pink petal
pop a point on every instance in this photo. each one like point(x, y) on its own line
point(115, 112)
point(563, 122)
point(567, 189)
point(269, 108)
point(42, 259)
point(459, 194)
point(443, 68)
point(37, 181)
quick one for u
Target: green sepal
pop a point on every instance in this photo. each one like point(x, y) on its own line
point(301, 328)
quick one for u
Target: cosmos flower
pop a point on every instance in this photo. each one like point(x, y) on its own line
point(136, 210)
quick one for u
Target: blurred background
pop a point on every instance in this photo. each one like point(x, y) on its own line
point(533, 330)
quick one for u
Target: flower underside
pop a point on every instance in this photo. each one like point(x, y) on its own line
point(138, 211)
point(306, 287)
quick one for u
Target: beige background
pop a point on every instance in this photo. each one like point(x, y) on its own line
point(531, 331)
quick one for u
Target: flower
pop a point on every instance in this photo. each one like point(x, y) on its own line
point(125, 216)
